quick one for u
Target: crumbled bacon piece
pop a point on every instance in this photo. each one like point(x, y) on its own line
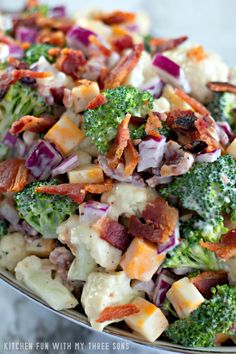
point(120, 72)
point(32, 124)
point(16, 63)
point(207, 280)
point(113, 232)
point(224, 249)
point(121, 43)
point(196, 105)
point(197, 53)
point(52, 23)
point(56, 38)
point(20, 74)
point(206, 131)
point(161, 221)
point(131, 158)
point(182, 120)
point(118, 312)
point(70, 62)
point(74, 191)
point(54, 52)
point(58, 94)
point(120, 143)
point(13, 175)
point(96, 188)
point(152, 126)
point(98, 101)
point(117, 17)
point(221, 87)
point(160, 45)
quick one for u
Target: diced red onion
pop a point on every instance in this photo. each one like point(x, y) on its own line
point(154, 86)
point(92, 211)
point(8, 212)
point(26, 34)
point(171, 243)
point(79, 36)
point(118, 173)
point(66, 165)
point(16, 51)
point(146, 286)
point(9, 139)
point(226, 127)
point(151, 153)
point(209, 156)
point(222, 135)
point(156, 180)
point(163, 283)
point(20, 147)
point(133, 27)
point(58, 11)
point(170, 72)
point(42, 158)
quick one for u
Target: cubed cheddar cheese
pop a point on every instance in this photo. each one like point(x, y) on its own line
point(65, 135)
point(231, 149)
point(83, 94)
point(86, 174)
point(184, 297)
point(141, 260)
point(149, 322)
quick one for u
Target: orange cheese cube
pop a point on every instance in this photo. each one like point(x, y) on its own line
point(185, 297)
point(86, 174)
point(149, 322)
point(65, 135)
point(141, 260)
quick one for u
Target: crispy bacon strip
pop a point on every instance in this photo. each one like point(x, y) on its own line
point(161, 45)
point(121, 43)
point(20, 74)
point(56, 38)
point(113, 232)
point(32, 124)
point(120, 72)
point(120, 143)
point(117, 312)
point(197, 53)
point(131, 158)
point(221, 87)
point(74, 191)
point(99, 188)
point(207, 280)
point(197, 106)
point(117, 17)
point(13, 175)
point(70, 62)
point(206, 131)
point(152, 126)
point(98, 101)
point(224, 249)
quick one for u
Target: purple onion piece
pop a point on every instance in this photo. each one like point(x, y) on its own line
point(92, 211)
point(209, 156)
point(170, 72)
point(163, 283)
point(8, 212)
point(26, 34)
point(9, 139)
point(171, 243)
point(146, 286)
point(154, 86)
point(66, 165)
point(58, 11)
point(41, 159)
point(151, 153)
point(79, 36)
point(16, 51)
point(20, 147)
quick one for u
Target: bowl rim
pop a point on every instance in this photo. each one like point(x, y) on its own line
point(111, 330)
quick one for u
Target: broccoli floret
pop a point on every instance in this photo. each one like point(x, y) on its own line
point(189, 254)
point(3, 227)
point(39, 9)
point(42, 211)
point(20, 100)
point(101, 124)
point(214, 316)
point(36, 51)
point(208, 188)
point(221, 107)
point(197, 229)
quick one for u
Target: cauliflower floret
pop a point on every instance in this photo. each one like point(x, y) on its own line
point(199, 73)
point(36, 273)
point(102, 290)
point(127, 199)
point(12, 250)
point(142, 72)
point(100, 250)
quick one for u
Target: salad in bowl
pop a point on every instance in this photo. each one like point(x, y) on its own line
point(118, 173)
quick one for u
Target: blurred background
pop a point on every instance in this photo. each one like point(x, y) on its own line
point(208, 22)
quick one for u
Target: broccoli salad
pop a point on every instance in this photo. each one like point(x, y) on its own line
point(118, 173)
